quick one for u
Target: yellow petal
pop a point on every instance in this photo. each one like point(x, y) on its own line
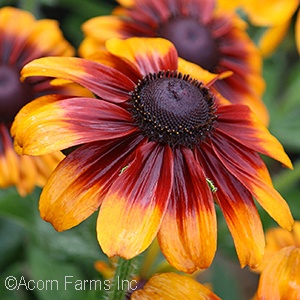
point(188, 233)
point(297, 31)
point(127, 3)
point(280, 278)
point(198, 73)
point(228, 5)
point(272, 38)
point(270, 12)
point(150, 55)
point(133, 209)
point(172, 286)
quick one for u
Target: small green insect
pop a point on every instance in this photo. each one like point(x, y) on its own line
point(211, 185)
point(123, 169)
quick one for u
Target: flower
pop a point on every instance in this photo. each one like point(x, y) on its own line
point(173, 286)
point(154, 150)
point(22, 38)
point(277, 15)
point(214, 39)
point(280, 270)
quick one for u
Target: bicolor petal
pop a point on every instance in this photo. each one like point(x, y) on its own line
point(104, 81)
point(69, 122)
point(249, 169)
point(136, 202)
point(238, 209)
point(76, 188)
point(250, 132)
point(188, 232)
point(150, 55)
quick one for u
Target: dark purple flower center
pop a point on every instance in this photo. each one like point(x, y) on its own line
point(193, 41)
point(173, 109)
point(13, 93)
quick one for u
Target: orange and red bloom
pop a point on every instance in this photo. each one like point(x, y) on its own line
point(155, 150)
point(276, 15)
point(280, 269)
point(214, 39)
point(22, 39)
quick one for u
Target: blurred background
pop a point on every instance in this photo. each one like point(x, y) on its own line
point(31, 248)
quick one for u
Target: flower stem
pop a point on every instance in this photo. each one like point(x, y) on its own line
point(122, 279)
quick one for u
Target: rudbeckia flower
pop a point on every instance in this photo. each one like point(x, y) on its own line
point(274, 14)
point(171, 286)
point(22, 38)
point(280, 270)
point(154, 150)
point(214, 39)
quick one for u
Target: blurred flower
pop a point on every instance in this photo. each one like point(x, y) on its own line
point(274, 14)
point(154, 150)
point(170, 286)
point(280, 270)
point(22, 38)
point(214, 39)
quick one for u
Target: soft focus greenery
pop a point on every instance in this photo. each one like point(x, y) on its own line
point(31, 248)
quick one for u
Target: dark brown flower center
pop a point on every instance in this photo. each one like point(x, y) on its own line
point(193, 41)
point(173, 109)
point(13, 93)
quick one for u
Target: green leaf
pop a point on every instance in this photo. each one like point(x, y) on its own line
point(19, 209)
point(53, 279)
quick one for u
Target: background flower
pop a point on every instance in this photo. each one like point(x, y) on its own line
point(280, 270)
point(22, 38)
point(215, 40)
point(276, 15)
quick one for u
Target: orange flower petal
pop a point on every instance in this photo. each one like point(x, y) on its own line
point(102, 80)
point(69, 122)
point(170, 286)
point(9, 28)
point(76, 188)
point(103, 28)
point(9, 160)
point(45, 164)
point(127, 3)
point(272, 37)
point(132, 211)
point(150, 55)
point(239, 211)
point(197, 72)
point(124, 66)
point(250, 170)
point(188, 232)
point(297, 31)
point(47, 39)
point(278, 238)
point(250, 132)
point(29, 38)
point(228, 5)
point(270, 12)
point(280, 278)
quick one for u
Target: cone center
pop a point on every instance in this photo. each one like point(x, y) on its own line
point(173, 109)
point(193, 41)
point(14, 94)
